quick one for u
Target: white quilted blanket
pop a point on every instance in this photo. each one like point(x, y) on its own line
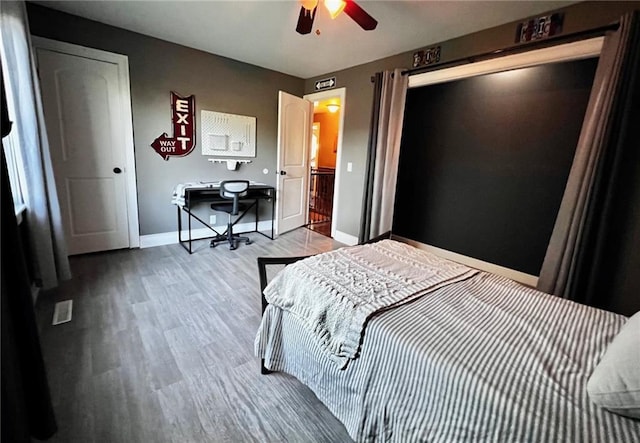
point(334, 293)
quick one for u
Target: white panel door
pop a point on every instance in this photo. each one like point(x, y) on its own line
point(82, 107)
point(295, 121)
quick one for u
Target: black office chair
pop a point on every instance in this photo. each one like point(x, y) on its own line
point(232, 190)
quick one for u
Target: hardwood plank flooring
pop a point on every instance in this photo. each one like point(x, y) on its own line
point(323, 228)
point(160, 349)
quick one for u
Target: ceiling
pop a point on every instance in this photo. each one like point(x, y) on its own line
point(263, 32)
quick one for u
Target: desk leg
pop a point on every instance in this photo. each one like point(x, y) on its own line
point(189, 221)
point(257, 212)
point(179, 224)
point(181, 241)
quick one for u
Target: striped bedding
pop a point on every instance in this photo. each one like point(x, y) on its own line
point(335, 293)
point(484, 359)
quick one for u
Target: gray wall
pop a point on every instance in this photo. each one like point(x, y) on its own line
point(221, 84)
point(359, 91)
point(157, 67)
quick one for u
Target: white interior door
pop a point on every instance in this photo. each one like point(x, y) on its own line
point(295, 121)
point(83, 103)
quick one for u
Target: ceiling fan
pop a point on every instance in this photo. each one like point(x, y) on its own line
point(335, 7)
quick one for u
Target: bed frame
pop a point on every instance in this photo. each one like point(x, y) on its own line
point(263, 262)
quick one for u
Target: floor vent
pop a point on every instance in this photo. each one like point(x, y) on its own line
point(62, 312)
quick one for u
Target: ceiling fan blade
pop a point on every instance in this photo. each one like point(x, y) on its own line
point(305, 20)
point(360, 16)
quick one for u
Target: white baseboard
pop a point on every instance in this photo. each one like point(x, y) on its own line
point(347, 239)
point(521, 277)
point(170, 238)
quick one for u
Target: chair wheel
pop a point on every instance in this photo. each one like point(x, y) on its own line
point(248, 242)
point(212, 245)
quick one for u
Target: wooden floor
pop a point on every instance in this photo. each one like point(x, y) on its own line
point(160, 349)
point(323, 228)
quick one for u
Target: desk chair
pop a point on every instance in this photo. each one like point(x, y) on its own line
point(231, 190)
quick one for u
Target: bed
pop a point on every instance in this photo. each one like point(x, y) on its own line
point(462, 356)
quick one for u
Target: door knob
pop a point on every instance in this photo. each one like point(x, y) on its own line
point(117, 170)
point(283, 172)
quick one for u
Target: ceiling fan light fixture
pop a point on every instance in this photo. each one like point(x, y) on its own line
point(309, 5)
point(309, 8)
point(333, 107)
point(334, 7)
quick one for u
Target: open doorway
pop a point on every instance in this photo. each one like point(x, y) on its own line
point(328, 108)
point(324, 150)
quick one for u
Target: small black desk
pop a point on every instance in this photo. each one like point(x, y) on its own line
point(211, 194)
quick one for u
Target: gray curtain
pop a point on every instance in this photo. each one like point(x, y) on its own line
point(581, 255)
point(26, 401)
point(365, 220)
point(390, 91)
point(44, 222)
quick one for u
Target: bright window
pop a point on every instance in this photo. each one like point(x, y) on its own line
point(11, 146)
point(14, 165)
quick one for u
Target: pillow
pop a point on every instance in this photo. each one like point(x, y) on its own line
point(615, 382)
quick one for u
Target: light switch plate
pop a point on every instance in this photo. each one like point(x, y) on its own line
point(349, 167)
